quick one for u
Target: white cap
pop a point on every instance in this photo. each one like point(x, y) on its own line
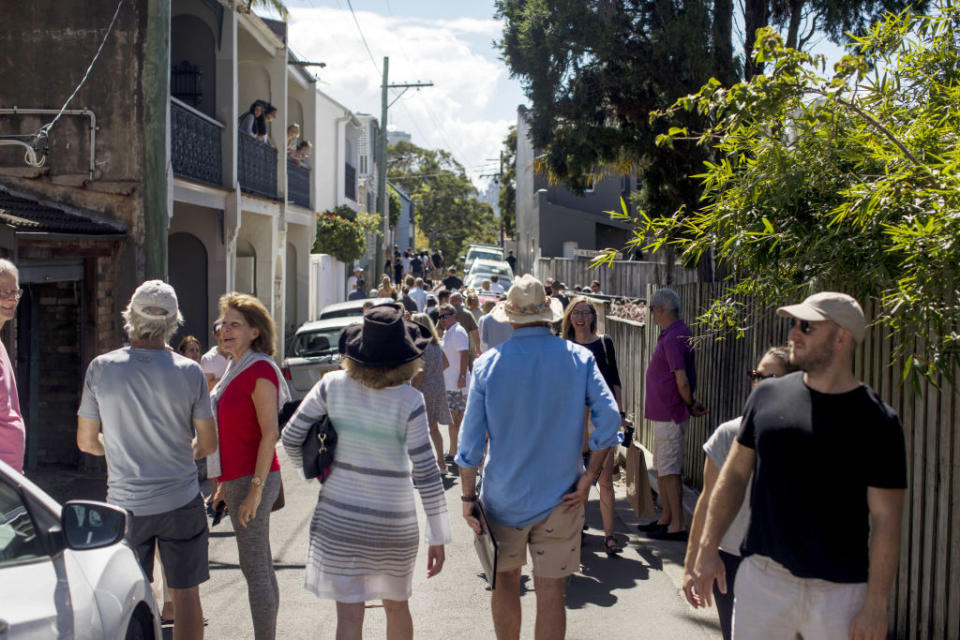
point(154, 299)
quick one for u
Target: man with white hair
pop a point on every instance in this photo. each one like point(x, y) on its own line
point(823, 543)
point(12, 430)
point(670, 382)
point(141, 407)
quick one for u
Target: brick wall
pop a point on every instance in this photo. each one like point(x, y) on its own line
point(59, 380)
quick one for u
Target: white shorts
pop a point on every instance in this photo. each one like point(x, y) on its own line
point(770, 602)
point(667, 447)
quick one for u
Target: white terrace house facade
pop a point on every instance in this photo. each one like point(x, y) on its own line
point(241, 212)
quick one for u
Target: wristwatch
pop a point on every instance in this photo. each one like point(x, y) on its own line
point(472, 498)
point(256, 482)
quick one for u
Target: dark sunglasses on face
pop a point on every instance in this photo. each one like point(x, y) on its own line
point(445, 315)
point(805, 326)
point(756, 376)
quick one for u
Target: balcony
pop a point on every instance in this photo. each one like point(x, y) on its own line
point(350, 181)
point(195, 144)
point(298, 184)
point(257, 167)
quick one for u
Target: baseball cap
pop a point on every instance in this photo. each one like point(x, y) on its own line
point(154, 299)
point(829, 305)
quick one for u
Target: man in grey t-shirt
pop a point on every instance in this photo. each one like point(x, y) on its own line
point(141, 407)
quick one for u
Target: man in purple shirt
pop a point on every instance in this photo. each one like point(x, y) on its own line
point(668, 402)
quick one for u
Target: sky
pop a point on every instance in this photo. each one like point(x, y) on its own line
point(448, 42)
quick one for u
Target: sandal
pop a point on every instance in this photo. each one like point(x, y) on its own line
point(611, 546)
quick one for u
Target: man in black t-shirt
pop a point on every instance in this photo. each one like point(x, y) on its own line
point(452, 282)
point(829, 466)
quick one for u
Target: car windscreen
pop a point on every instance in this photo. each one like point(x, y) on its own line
point(486, 270)
point(341, 313)
point(313, 344)
point(485, 255)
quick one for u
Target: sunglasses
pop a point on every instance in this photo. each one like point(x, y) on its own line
point(806, 328)
point(756, 376)
point(445, 315)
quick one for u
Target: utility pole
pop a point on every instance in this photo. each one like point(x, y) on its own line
point(498, 178)
point(383, 207)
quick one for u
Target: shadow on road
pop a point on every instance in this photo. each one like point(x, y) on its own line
point(601, 576)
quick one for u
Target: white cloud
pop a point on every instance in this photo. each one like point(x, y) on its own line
point(459, 113)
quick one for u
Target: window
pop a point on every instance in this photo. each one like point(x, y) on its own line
point(18, 537)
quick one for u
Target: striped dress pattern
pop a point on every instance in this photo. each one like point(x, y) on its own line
point(364, 533)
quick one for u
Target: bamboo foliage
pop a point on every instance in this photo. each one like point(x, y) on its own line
point(926, 594)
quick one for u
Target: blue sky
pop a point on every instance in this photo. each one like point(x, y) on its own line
point(473, 102)
point(448, 42)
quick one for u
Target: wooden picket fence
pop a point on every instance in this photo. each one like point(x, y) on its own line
point(926, 595)
point(626, 278)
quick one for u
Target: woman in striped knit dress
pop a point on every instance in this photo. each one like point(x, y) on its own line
point(364, 534)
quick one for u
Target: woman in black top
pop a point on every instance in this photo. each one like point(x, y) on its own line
point(580, 326)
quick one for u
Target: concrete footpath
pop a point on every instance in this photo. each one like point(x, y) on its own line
point(635, 595)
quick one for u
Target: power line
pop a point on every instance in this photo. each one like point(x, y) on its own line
point(45, 129)
point(362, 38)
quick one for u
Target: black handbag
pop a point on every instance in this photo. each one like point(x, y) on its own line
point(318, 448)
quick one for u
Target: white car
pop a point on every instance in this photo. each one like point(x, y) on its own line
point(313, 352)
point(66, 572)
point(482, 252)
point(483, 269)
point(348, 308)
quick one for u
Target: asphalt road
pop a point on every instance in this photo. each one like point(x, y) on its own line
point(633, 596)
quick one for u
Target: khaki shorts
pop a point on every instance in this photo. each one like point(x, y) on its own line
point(667, 448)
point(771, 602)
point(554, 544)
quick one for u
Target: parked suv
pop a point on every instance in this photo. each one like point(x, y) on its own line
point(481, 252)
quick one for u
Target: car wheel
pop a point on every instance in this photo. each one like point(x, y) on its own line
point(139, 627)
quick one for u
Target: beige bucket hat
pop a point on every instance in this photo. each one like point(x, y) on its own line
point(527, 302)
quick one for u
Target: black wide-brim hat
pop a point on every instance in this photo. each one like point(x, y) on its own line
point(384, 338)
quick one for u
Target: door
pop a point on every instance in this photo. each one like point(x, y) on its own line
point(188, 276)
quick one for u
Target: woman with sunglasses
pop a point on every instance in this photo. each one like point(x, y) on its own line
point(580, 325)
point(775, 363)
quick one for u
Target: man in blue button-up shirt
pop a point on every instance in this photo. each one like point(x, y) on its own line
point(534, 485)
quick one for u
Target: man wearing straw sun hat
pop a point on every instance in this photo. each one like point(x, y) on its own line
point(534, 484)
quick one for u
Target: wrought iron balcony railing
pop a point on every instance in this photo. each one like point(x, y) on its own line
point(298, 184)
point(257, 167)
point(195, 144)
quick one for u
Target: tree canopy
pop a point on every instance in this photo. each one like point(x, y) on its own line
point(447, 209)
point(847, 180)
point(595, 69)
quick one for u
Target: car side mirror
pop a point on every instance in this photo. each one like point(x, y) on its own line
point(91, 525)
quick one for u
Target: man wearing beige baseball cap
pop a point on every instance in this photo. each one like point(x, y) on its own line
point(528, 395)
point(829, 473)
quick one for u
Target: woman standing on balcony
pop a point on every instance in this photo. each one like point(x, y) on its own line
point(248, 121)
point(269, 114)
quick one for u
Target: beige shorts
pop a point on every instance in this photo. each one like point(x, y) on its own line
point(771, 602)
point(667, 447)
point(554, 544)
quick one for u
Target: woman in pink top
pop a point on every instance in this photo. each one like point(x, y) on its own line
point(12, 431)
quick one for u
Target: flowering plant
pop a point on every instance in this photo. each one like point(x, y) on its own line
point(339, 237)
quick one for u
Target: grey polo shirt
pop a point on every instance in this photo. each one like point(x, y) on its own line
point(146, 400)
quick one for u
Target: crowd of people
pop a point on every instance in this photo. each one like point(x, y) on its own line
point(811, 559)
